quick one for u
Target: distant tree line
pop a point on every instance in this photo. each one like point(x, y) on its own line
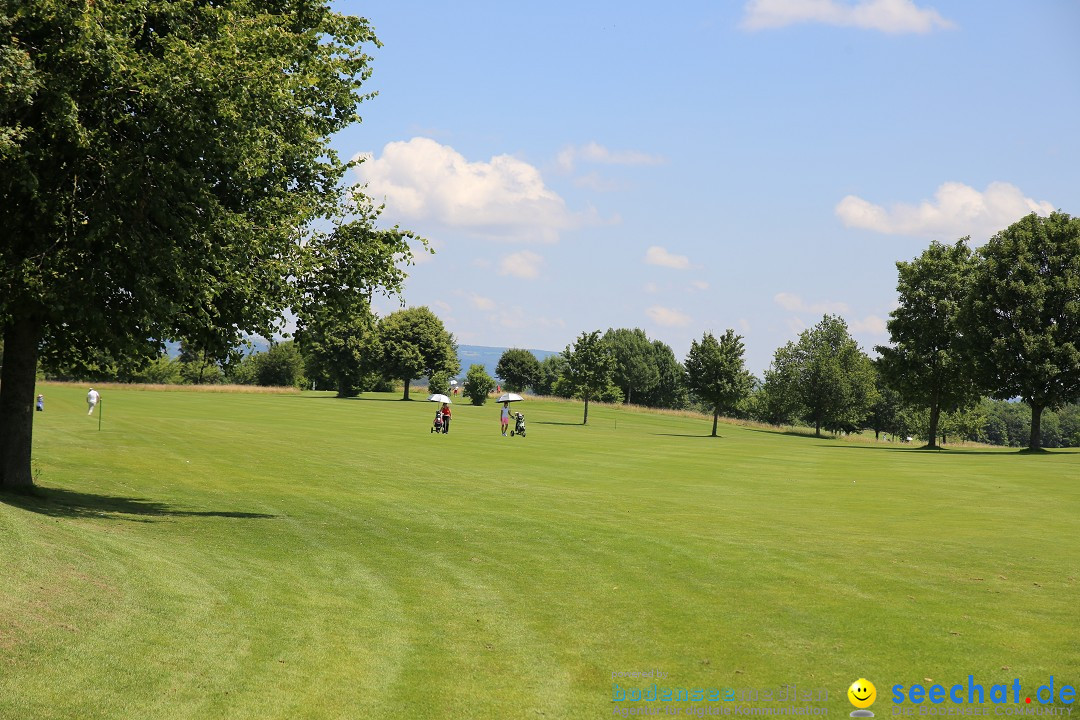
point(360, 353)
point(982, 343)
point(984, 346)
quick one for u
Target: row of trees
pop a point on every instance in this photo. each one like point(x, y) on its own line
point(1001, 322)
point(822, 379)
point(354, 353)
point(615, 366)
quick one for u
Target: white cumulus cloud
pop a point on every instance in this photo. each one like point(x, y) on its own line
point(595, 153)
point(889, 16)
point(657, 255)
point(427, 183)
point(667, 317)
point(524, 264)
point(957, 210)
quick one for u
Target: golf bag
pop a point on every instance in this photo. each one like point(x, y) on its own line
point(436, 427)
point(519, 425)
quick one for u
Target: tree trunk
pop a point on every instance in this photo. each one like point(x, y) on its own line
point(1035, 440)
point(877, 435)
point(817, 428)
point(17, 379)
point(586, 420)
point(715, 415)
point(407, 381)
point(935, 416)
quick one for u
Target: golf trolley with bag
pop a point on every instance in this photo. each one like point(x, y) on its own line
point(519, 425)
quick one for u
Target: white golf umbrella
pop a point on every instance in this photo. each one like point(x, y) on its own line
point(453, 382)
point(509, 397)
point(439, 398)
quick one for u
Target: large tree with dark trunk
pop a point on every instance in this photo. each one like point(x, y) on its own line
point(1022, 317)
point(414, 343)
point(924, 361)
point(160, 166)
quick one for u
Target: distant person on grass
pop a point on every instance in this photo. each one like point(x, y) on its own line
point(505, 417)
point(41, 403)
point(92, 399)
point(445, 418)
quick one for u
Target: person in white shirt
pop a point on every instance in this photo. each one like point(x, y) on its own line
point(504, 417)
point(92, 398)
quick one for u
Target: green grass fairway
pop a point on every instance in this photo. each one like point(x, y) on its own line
point(275, 556)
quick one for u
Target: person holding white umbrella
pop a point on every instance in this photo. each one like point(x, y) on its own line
point(446, 418)
point(506, 399)
point(445, 410)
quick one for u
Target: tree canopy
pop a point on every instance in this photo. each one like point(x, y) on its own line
point(636, 372)
point(670, 390)
point(518, 368)
point(589, 365)
point(161, 164)
point(478, 384)
point(824, 378)
point(414, 343)
point(925, 362)
point(1022, 320)
point(715, 372)
point(547, 379)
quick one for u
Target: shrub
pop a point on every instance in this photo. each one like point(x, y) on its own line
point(478, 384)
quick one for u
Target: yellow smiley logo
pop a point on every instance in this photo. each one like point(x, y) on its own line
point(862, 693)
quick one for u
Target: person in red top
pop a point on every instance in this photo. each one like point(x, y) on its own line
point(445, 418)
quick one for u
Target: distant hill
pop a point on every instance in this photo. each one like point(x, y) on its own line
point(489, 357)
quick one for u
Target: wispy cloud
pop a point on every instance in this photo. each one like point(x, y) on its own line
point(524, 264)
point(667, 317)
point(957, 210)
point(572, 155)
point(657, 255)
point(871, 325)
point(889, 16)
point(515, 318)
point(480, 302)
point(794, 303)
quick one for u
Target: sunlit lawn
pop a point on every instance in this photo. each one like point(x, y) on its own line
point(275, 556)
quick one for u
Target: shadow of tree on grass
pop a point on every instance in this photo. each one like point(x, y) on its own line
point(685, 435)
point(57, 502)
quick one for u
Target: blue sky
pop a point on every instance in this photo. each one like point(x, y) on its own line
point(700, 166)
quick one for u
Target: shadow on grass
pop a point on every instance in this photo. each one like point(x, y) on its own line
point(687, 435)
point(1004, 451)
point(356, 397)
point(794, 433)
point(56, 502)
